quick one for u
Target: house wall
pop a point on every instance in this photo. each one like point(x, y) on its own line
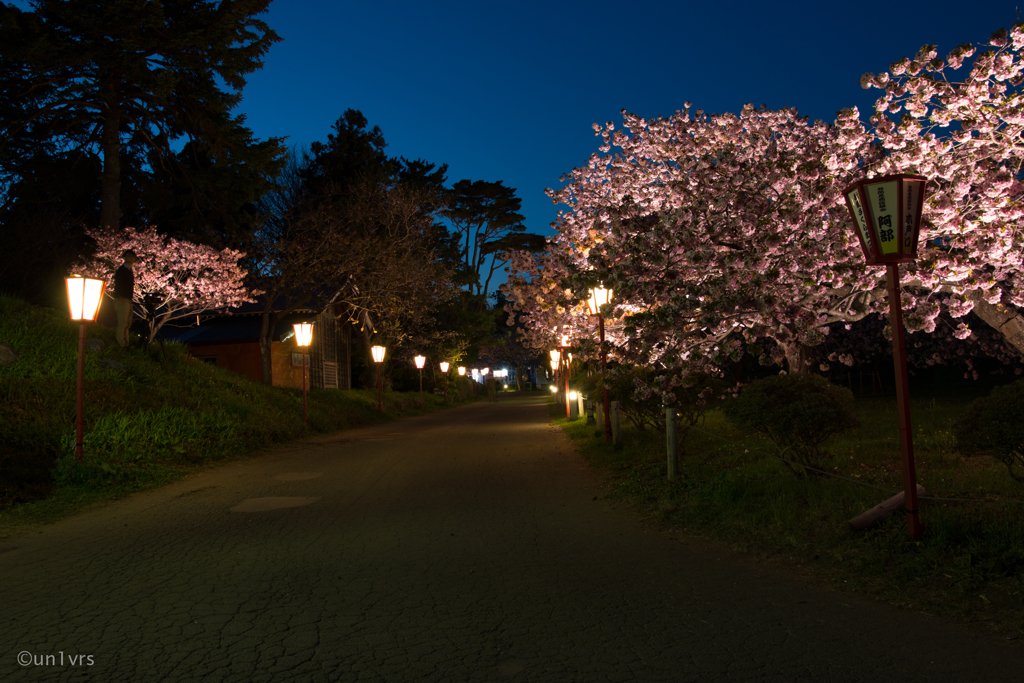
point(286, 374)
point(241, 358)
point(245, 360)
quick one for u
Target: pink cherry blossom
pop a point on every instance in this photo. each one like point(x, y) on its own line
point(174, 279)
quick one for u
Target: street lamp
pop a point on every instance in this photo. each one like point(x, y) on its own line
point(420, 361)
point(599, 296)
point(556, 357)
point(886, 214)
point(378, 358)
point(462, 371)
point(85, 294)
point(303, 338)
point(444, 368)
point(567, 372)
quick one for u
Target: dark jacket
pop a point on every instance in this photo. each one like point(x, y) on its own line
point(124, 283)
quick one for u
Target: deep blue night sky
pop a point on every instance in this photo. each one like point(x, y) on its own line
point(508, 91)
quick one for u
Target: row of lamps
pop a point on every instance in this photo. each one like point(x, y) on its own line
point(886, 213)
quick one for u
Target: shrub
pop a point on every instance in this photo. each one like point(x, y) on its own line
point(994, 426)
point(641, 394)
point(798, 413)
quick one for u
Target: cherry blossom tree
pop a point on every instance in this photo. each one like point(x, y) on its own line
point(963, 130)
point(174, 279)
point(712, 229)
point(716, 230)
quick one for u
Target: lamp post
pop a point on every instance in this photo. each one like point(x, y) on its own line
point(420, 361)
point(556, 359)
point(303, 338)
point(462, 385)
point(378, 358)
point(599, 296)
point(444, 368)
point(85, 294)
point(567, 370)
point(886, 214)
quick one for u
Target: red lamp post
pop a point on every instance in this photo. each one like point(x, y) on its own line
point(85, 294)
point(378, 358)
point(556, 366)
point(444, 368)
point(420, 361)
point(566, 358)
point(303, 338)
point(886, 215)
point(599, 296)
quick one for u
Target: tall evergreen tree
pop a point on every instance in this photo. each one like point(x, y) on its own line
point(486, 217)
point(128, 80)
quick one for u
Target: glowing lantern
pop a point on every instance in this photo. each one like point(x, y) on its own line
point(84, 297)
point(886, 213)
point(303, 333)
point(599, 296)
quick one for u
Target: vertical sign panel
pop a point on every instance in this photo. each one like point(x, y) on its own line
point(857, 209)
point(911, 208)
point(883, 205)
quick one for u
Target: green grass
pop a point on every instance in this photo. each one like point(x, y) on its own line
point(165, 416)
point(968, 566)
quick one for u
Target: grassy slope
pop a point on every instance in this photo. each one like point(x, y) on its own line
point(969, 565)
point(166, 416)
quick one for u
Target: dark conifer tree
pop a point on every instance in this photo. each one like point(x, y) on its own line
point(127, 81)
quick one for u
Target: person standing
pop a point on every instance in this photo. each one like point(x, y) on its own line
point(124, 292)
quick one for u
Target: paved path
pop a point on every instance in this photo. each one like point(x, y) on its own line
point(461, 546)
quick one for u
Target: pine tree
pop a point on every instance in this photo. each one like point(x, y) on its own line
point(130, 80)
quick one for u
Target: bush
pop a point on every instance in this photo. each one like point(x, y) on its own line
point(994, 426)
point(798, 413)
point(641, 394)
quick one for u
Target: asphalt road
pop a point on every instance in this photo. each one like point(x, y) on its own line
point(469, 545)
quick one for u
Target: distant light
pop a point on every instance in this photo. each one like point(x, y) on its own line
point(553, 388)
point(573, 395)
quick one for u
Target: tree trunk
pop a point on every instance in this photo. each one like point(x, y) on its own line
point(266, 344)
point(110, 179)
point(796, 357)
point(1002, 318)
